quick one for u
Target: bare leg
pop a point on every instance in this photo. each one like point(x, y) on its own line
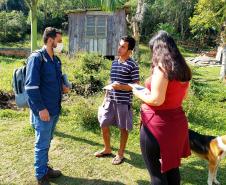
point(123, 141)
point(106, 138)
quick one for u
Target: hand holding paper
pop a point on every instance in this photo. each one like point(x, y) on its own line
point(110, 86)
point(138, 89)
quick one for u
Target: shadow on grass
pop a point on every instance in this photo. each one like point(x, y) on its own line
point(66, 180)
point(196, 172)
point(143, 182)
point(136, 159)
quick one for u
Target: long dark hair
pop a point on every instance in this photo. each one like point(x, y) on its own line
point(168, 58)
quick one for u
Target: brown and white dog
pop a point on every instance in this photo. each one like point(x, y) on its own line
point(211, 148)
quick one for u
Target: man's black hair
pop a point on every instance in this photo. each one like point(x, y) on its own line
point(131, 41)
point(50, 32)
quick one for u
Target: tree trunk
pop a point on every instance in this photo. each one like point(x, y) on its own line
point(34, 25)
point(223, 40)
point(135, 20)
point(136, 35)
point(223, 67)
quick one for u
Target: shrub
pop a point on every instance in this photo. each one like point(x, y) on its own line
point(85, 112)
point(90, 73)
point(13, 26)
point(92, 62)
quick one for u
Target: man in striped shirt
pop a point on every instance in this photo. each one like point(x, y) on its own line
point(117, 108)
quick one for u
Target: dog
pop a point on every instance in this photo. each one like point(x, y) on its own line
point(210, 148)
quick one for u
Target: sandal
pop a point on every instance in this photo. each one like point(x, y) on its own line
point(102, 154)
point(117, 160)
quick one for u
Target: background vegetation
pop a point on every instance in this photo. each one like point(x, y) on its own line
point(199, 20)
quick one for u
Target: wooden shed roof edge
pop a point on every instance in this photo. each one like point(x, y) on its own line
point(82, 10)
point(92, 9)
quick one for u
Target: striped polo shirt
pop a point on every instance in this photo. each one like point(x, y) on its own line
point(123, 73)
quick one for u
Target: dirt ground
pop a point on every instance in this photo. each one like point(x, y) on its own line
point(7, 100)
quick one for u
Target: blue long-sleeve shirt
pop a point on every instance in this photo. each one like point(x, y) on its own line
point(44, 83)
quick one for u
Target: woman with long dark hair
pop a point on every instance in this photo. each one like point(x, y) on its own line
point(164, 131)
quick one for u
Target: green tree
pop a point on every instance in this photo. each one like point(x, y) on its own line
point(54, 12)
point(172, 12)
point(9, 5)
point(135, 23)
point(13, 26)
point(208, 18)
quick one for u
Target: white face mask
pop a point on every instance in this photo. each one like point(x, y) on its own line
point(59, 48)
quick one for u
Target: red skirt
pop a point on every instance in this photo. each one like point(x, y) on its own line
point(170, 128)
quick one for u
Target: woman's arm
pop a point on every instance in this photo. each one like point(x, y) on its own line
point(159, 84)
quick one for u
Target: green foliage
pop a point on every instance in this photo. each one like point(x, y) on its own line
point(10, 5)
point(89, 73)
point(169, 28)
point(92, 63)
point(85, 111)
point(13, 26)
point(53, 12)
point(167, 12)
point(111, 5)
point(207, 19)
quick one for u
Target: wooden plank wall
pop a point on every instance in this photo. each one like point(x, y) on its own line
point(116, 27)
point(71, 33)
point(110, 35)
point(119, 29)
point(76, 32)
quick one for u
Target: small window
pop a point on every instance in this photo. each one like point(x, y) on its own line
point(96, 26)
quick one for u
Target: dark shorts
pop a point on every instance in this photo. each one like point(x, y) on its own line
point(119, 115)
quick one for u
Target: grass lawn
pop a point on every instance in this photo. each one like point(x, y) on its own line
point(78, 136)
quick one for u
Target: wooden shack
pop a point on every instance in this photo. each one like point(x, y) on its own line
point(96, 31)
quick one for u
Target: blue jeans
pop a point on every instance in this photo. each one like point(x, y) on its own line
point(43, 136)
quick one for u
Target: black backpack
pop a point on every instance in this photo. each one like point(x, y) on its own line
point(18, 84)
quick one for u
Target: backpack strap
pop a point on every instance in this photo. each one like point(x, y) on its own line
point(15, 80)
point(41, 55)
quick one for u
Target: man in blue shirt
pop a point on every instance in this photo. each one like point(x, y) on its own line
point(117, 109)
point(44, 87)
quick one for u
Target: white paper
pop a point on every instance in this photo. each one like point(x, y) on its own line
point(137, 87)
point(108, 87)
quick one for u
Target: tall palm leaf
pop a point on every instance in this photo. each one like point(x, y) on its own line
point(107, 5)
point(111, 5)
